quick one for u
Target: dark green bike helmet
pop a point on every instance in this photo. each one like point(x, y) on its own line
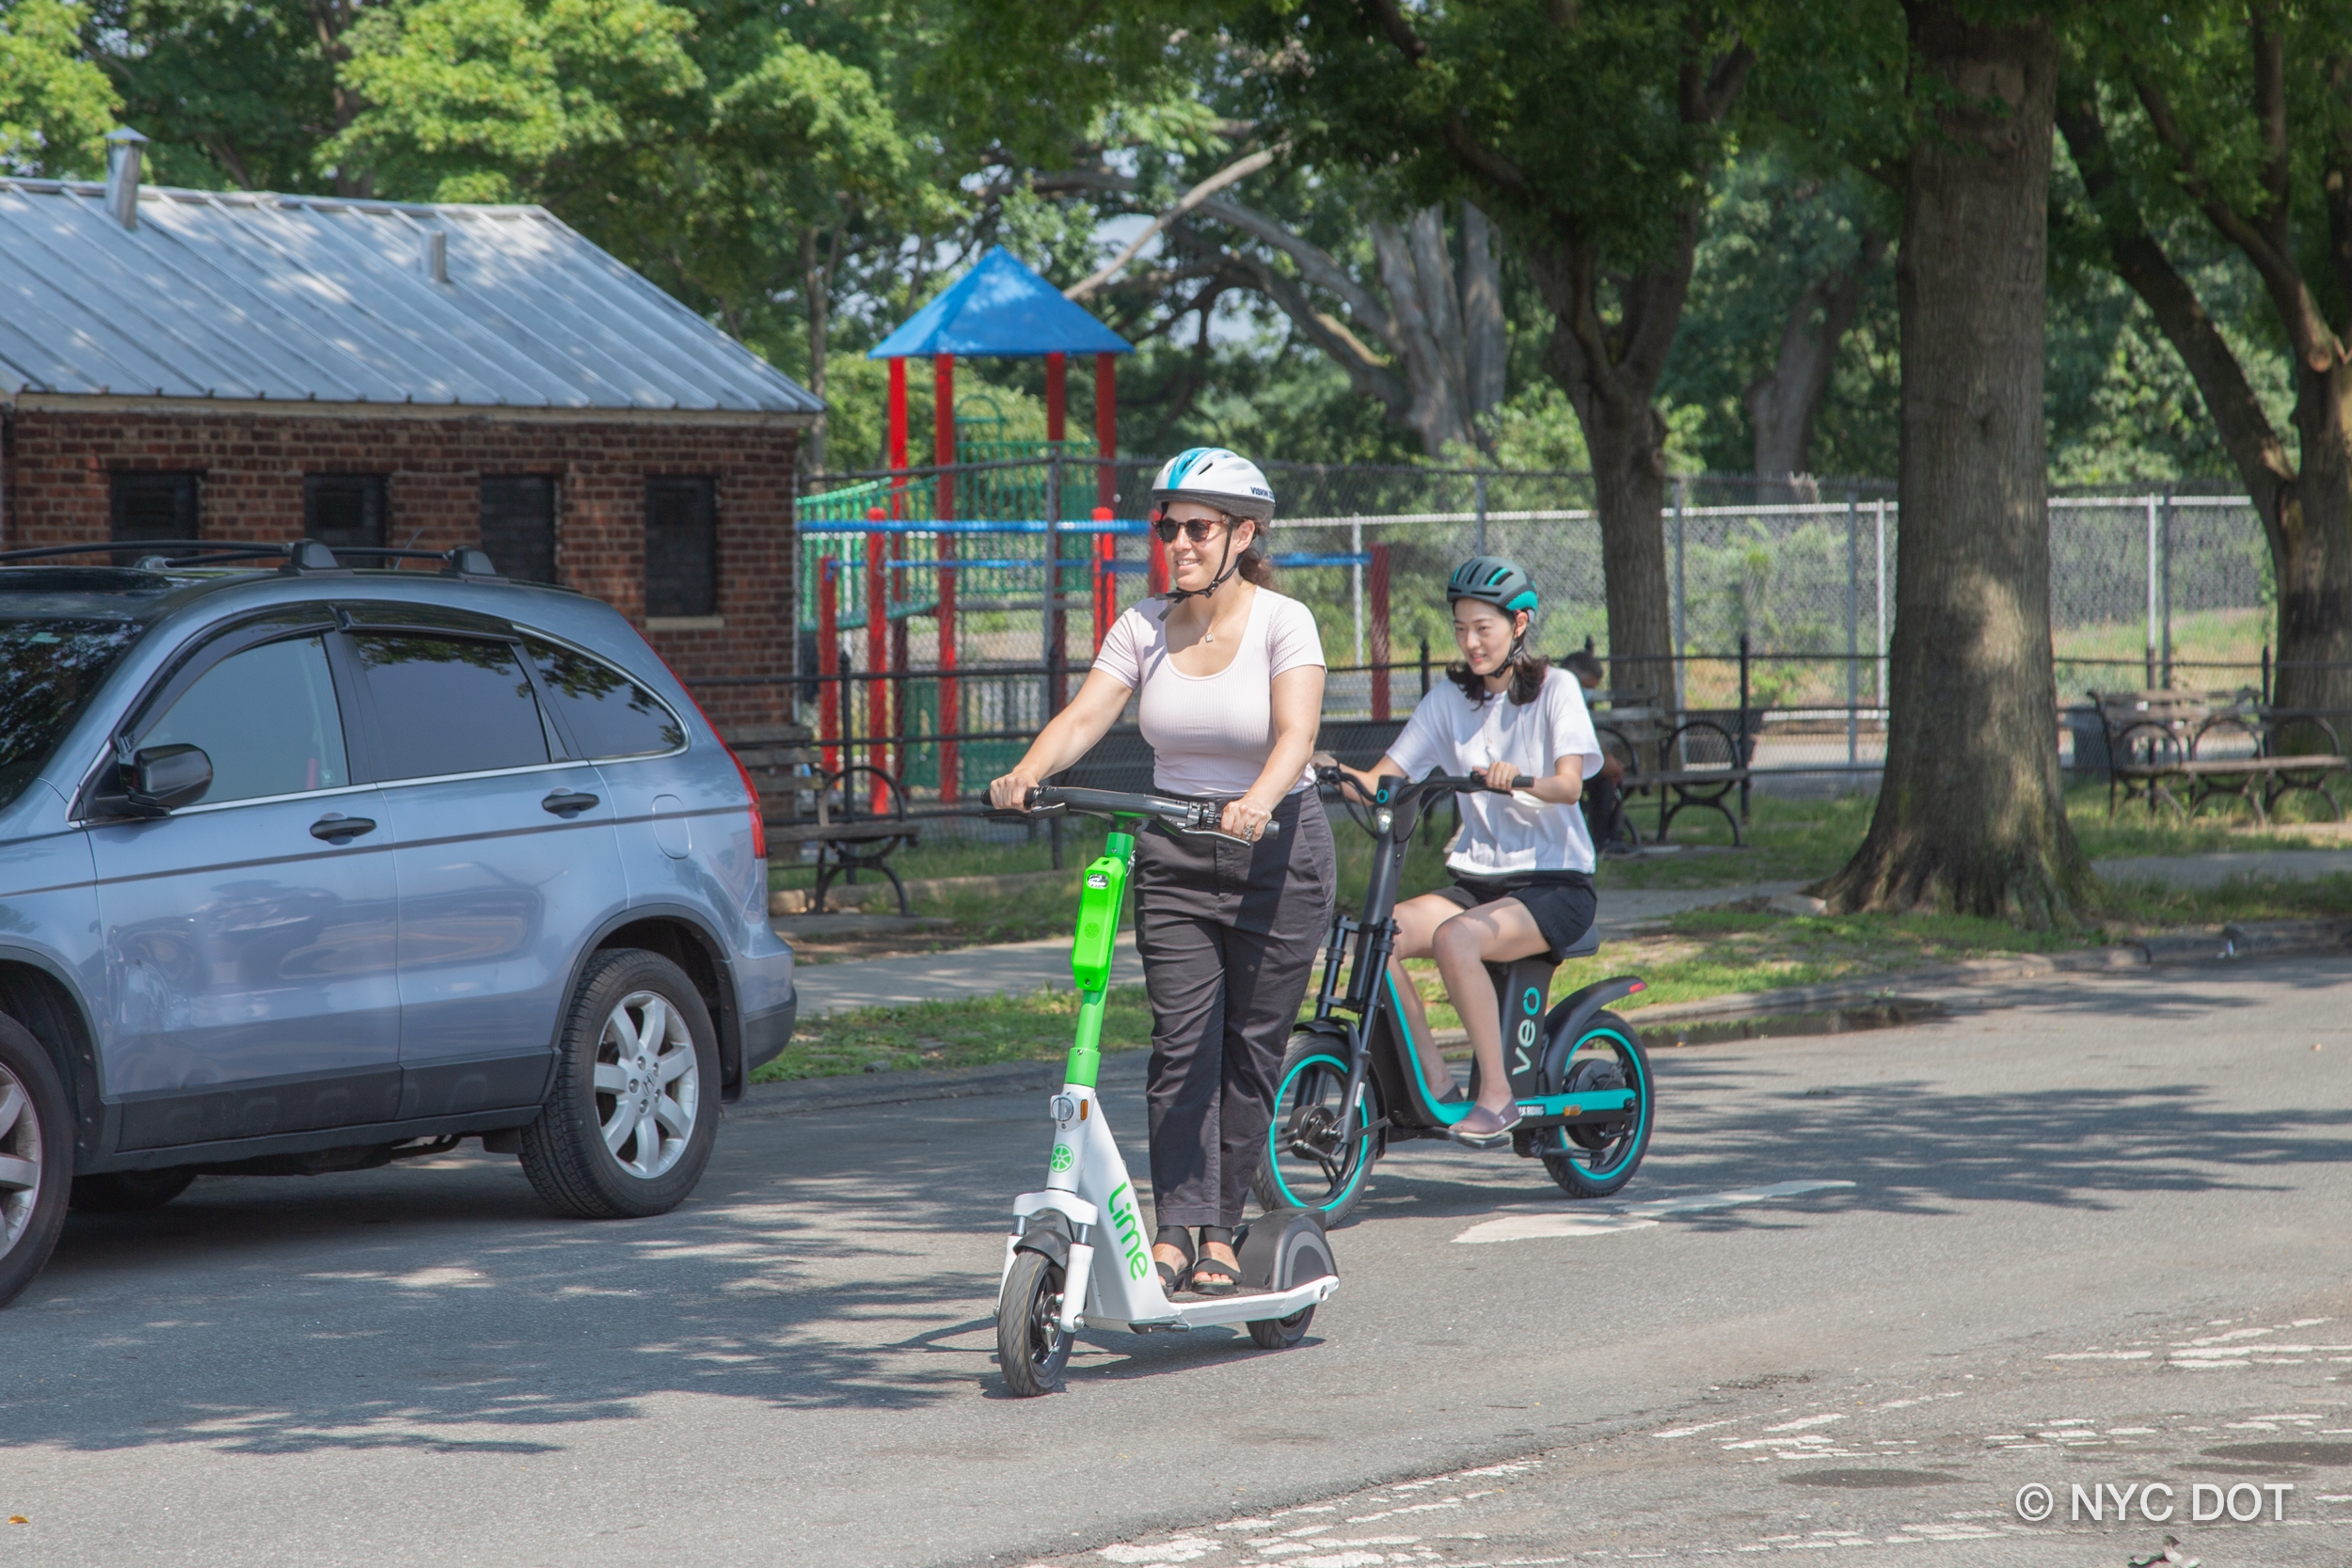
point(1495, 580)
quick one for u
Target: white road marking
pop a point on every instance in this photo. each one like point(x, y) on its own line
point(1637, 1216)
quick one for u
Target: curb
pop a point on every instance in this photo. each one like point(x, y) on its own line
point(2271, 939)
point(803, 1096)
point(2276, 938)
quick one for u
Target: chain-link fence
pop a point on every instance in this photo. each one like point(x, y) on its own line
point(1037, 552)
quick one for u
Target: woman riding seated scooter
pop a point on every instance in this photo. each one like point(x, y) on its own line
point(1522, 872)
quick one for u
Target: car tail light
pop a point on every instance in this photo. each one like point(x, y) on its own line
point(759, 823)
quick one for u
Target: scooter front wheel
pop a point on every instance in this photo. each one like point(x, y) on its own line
point(1031, 1346)
point(1318, 1153)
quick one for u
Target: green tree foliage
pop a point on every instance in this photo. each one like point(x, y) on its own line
point(2227, 122)
point(1588, 132)
point(55, 105)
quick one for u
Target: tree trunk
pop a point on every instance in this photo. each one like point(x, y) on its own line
point(1485, 334)
point(1970, 818)
point(1784, 401)
point(1610, 373)
point(2311, 548)
point(1627, 443)
point(817, 289)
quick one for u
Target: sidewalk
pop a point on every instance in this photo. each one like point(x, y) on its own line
point(1018, 968)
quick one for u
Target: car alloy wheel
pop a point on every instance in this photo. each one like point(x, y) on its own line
point(648, 1085)
point(20, 1164)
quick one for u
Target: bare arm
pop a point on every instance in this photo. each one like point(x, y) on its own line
point(1070, 734)
point(1297, 703)
point(1563, 786)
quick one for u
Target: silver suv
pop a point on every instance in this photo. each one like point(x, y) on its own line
point(306, 868)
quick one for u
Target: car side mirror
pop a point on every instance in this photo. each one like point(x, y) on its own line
point(165, 778)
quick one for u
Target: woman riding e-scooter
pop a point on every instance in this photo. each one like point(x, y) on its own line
point(1522, 873)
point(1229, 680)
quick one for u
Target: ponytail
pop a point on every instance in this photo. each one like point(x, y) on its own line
point(1256, 565)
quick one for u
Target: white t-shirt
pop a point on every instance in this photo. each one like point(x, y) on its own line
point(1211, 734)
point(1500, 837)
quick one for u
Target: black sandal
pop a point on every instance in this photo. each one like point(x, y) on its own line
point(1172, 1279)
point(1223, 1279)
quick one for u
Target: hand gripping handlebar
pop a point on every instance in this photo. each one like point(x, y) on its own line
point(1183, 817)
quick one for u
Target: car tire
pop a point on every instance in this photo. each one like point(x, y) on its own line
point(129, 1192)
point(633, 1114)
point(36, 1157)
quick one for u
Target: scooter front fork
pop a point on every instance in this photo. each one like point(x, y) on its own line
point(1073, 1286)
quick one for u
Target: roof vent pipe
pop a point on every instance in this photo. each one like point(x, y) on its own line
point(126, 149)
point(436, 254)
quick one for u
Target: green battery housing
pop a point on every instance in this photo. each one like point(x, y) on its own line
point(1102, 894)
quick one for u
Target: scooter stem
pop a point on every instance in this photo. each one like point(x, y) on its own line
point(1101, 898)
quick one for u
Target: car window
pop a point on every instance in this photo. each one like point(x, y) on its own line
point(266, 718)
point(49, 670)
point(610, 715)
point(450, 705)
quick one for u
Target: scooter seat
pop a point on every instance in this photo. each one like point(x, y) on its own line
point(1587, 945)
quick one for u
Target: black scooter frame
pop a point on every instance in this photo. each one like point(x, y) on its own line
point(1541, 1059)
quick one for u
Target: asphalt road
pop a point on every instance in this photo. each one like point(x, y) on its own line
point(2095, 1238)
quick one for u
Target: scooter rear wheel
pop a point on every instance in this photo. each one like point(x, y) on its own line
point(1030, 1344)
point(1311, 1160)
point(1597, 1160)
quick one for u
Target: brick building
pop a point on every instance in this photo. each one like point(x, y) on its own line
point(193, 364)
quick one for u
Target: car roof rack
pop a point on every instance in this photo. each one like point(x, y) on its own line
point(301, 555)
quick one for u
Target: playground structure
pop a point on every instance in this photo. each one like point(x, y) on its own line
point(960, 628)
point(943, 560)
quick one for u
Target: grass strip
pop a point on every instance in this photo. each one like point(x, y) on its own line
point(972, 1033)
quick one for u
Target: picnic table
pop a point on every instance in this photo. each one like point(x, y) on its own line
point(802, 802)
point(2213, 745)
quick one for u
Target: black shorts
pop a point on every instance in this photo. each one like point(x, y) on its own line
point(1562, 902)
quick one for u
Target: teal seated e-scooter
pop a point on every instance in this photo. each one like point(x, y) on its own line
point(1079, 1255)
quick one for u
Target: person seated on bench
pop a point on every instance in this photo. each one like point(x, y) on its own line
point(1603, 801)
point(1522, 863)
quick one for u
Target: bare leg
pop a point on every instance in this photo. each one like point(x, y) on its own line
point(1497, 933)
point(1417, 922)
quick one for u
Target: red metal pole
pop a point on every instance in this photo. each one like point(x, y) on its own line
point(1106, 430)
point(877, 655)
point(1105, 578)
point(1377, 637)
point(1056, 395)
point(829, 658)
point(944, 619)
point(1159, 565)
point(897, 426)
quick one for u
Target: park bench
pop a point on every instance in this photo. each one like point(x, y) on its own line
point(2215, 746)
point(1688, 763)
point(804, 802)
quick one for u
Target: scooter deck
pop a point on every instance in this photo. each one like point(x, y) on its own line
point(1219, 1311)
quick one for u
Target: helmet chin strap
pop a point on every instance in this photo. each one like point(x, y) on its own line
point(1178, 595)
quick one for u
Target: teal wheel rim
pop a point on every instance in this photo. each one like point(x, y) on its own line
point(1629, 1149)
point(1278, 1139)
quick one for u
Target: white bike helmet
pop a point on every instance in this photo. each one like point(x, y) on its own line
point(1215, 477)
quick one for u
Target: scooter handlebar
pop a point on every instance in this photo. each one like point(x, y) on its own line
point(1183, 817)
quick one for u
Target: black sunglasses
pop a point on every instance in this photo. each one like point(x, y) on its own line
point(1198, 530)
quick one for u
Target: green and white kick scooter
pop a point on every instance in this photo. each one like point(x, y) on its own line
point(1078, 1255)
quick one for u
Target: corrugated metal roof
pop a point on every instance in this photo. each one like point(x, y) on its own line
point(221, 294)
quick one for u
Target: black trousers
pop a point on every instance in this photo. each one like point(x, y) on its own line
point(1229, 934)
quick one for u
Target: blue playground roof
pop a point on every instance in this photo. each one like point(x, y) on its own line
point(1000, 309)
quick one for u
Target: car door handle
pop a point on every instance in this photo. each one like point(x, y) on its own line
point(567, 802)
point(335, 827)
